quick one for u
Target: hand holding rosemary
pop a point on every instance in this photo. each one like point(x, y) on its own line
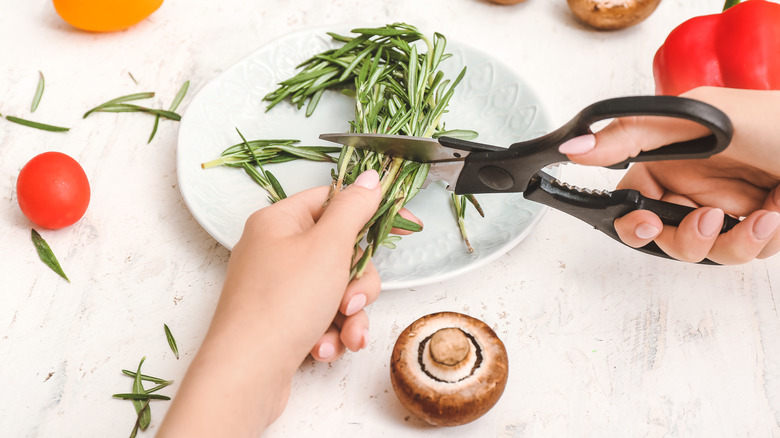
point(398, 89)
point(287, 277)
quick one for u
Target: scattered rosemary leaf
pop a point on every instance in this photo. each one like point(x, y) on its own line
point(129, 97)
point(154, 128)
point(148, 378)
point(140, 397)
point(138, 390)
point(171, 341)
point(175, 104)
point(132, 77)
point(38, 93)
point(36, 125)
point(131, 108)
point(47, 255)
point(145, 408)
point(179, 96)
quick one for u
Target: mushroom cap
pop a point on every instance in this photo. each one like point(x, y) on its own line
point(507, 2)
point(448, 395)
point(612, 14)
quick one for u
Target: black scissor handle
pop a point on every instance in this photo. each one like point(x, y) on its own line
point(510, 170)
point(601, 208)
point(668, 106)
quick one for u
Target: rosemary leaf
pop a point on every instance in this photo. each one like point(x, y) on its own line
point(175, 104)
point(145, 408)
point(154, 128)
point(36, 125)
point(405, 224)
point(171, 341)
point(127, 98)
point(475, 203)
point(179, 96)
point(132, 108)
point(47, 255)
point(140, 397)
point(138, 390)
point(148, 378)
point(38, 93)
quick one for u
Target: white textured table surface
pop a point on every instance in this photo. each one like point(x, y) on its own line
point(602, 341)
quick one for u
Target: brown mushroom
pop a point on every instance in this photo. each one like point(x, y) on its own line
point(612, 14)
point(507, 2)
point(448, 368)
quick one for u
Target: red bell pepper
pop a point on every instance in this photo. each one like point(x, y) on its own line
point(738, 48)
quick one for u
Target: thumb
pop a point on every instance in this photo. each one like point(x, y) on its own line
point(628, 136)
point(350, 209)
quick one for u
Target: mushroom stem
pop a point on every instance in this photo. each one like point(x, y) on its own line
point(449, 346)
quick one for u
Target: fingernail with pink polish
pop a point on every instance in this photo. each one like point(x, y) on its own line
point(368, 179)
point(355, 303)
point(578, 145)
point(326, 350)
point(766, 225)
point(646, 231)
point(711, 222)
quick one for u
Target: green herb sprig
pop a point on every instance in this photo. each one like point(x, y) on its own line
point(47, 255)
point(398, 89)
point(141, 397)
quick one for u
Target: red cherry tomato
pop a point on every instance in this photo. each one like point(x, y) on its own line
point(53, 190)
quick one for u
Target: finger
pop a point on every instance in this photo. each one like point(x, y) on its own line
point(361, 291)
point(628, 136)
point(638, 228)
point(350, 209)
point(354, 331)
point(329, 347)
point(290, 215)
point(692, 240)
point(772, 203)
point(406, 214)
point(746, 240)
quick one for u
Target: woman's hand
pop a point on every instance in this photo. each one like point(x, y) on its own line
point(288, 282)
point(742, 181)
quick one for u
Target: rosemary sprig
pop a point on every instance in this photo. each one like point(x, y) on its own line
point(47, 255)
point(271, 151)
point(171, 341)
point(141, 397)
point(38, 93)
point(393, 74)
point(36, 125)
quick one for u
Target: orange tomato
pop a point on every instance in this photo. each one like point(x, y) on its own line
point(105, 15)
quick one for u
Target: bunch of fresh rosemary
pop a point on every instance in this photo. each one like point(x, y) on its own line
point(398, 89)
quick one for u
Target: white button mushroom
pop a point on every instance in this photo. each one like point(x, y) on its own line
point(448, 368)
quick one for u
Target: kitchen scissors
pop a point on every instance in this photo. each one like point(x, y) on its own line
point(473, 168)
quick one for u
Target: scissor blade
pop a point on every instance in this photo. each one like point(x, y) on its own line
point(419, 149)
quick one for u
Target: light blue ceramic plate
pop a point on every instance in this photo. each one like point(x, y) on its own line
point(492, 100)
